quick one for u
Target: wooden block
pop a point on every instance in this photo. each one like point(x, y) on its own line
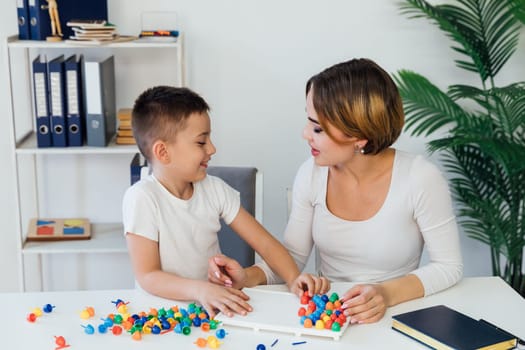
point(125, 140)
point(41, 229)
point(124, 124)
point(125, 132)
point(124, 114)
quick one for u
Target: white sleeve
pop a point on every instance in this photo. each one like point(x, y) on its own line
point(139, 213)
point(298, 234)
point(435, 218)
point(227, 199)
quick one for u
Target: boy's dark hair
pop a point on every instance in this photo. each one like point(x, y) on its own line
point(160, 112)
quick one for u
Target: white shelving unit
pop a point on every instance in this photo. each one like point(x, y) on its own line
point(135, 63)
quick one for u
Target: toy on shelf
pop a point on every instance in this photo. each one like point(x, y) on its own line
point(58, 229)
point(159, 26)
point(56, 28)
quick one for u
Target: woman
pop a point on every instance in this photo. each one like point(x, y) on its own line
point(366, 206)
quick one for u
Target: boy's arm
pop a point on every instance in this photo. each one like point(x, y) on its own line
point(145, 260)
point(267, 246)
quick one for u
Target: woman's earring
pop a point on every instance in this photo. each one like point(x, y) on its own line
point(362, 150)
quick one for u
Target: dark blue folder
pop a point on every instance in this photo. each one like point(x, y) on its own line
point(43, 125)
point(57, 101)
point(22, 9)
point(75, 106)
point(68, 10)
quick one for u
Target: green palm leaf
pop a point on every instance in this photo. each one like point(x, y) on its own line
point(426, 106)
point(486, 32)
point(484, 149)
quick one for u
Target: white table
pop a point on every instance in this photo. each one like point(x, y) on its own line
point(481, 297)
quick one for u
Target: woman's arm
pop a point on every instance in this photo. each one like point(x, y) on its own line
point(434, 216)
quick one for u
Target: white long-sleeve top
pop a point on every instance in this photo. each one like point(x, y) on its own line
point(417, 211)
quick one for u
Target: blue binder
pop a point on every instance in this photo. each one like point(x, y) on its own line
point(40, 22)
point(99, 97)
point(43, 126)
point(22, 9)
point(75, 108)
point(57, 101)
point(136, 168)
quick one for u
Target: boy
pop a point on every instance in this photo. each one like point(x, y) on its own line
point(171, 218)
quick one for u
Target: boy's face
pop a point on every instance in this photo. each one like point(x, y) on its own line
point(192, 149)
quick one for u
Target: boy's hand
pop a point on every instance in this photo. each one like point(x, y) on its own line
point(226, 300)
point(313, 284)
point(226, 272)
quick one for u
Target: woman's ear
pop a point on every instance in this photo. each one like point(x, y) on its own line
point(361, 143)
point(160, 151)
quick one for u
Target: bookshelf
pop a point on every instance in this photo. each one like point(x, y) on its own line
point(77, 181)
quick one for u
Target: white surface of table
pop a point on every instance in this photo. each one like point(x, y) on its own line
point(481, 297)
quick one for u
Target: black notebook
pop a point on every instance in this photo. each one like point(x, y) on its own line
point(440, 327)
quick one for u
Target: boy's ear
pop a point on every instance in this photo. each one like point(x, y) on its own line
point(160, 151)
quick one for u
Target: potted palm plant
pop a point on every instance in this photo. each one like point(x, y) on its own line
point(483, 149)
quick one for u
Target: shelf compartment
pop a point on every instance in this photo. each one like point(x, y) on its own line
point(28, 145)
point(105, 238)
point(134, 44)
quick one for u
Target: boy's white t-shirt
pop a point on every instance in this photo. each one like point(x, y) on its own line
point(186, 230)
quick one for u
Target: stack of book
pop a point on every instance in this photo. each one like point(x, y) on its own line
point(124, 132)
point(94, 32)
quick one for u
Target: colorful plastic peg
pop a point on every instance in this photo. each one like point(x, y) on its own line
point(220, 333)
point(213, 342)
point(61, 342)
point(201, 342)
point(48, 308)
point(37, 311)
point(89, 329)
point(116, 330)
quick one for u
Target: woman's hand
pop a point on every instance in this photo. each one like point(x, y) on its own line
point(224, 299)
point(226, 271)
point(364, 303)
point(313, 284)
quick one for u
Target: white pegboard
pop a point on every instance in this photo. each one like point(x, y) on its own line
point(276, 311)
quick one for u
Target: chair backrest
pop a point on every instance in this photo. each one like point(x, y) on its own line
point(244, 180)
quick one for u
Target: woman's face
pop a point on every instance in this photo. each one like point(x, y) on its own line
point(324, 149)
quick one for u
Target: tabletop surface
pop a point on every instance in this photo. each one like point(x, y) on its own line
point(489, 298)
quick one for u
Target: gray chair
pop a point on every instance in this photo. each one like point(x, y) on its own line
point(243, 179)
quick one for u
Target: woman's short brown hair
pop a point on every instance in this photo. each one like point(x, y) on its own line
point(361, 100)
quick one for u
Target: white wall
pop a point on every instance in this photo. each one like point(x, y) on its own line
point(250, 60)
